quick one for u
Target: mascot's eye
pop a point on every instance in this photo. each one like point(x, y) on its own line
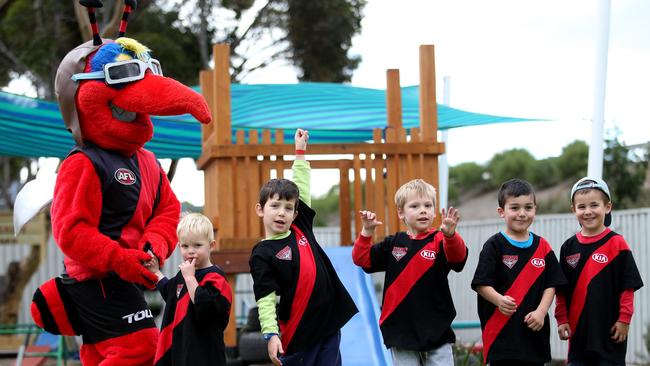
point(122, 71)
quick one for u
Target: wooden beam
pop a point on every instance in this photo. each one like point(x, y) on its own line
point(393, 99)
point(220, 151)
point(207, 89)
point(344, 203)
point(221, 87)
point(428, 106)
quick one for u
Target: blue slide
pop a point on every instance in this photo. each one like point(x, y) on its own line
point(361, 341)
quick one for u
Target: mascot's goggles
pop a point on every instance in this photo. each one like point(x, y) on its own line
point(122, 71)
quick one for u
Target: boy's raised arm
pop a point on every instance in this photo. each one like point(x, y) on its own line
point(301, 169)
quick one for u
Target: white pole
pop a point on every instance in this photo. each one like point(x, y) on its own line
point(595, 166)
point(443, 166)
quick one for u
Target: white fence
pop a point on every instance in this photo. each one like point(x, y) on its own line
point(633, 224)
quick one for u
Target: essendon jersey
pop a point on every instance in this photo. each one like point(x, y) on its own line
point(598, 272)
point(192, 332)
point(523, 273)
point(123, 180)
point(130, 191)
point(417, 307)
point(314, 304)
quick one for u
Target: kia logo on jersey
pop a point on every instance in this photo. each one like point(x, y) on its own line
point(428, 254)
point(599, 257)
point(538, 262)
point(125, 176)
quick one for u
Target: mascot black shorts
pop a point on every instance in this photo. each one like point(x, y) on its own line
point(98, 309)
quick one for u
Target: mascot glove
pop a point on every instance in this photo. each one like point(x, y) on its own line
point(159, 249)
point(128, 264)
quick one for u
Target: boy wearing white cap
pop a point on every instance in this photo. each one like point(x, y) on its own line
point(595, 309)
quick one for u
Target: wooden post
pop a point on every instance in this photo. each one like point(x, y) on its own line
point(344, 203)
point(429, 115)
point(207, 89)
point(357, 195)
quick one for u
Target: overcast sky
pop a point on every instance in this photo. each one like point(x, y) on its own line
point(532, 59)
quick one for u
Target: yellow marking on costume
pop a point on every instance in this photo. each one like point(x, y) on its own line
point(134, 46)
point(123, 57)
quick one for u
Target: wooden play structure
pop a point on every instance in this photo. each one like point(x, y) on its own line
point(235, 171)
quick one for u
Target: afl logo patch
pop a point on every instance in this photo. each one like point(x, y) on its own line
point(179, 288)
point(428, 254)
point(510, 260)
point(573, 259)
point(125, 176)
point(302, 241)
point(600, 258)
point(538, 262)
point(399, 252)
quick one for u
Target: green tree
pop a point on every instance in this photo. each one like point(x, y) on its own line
point(624, 172)
point(326, 207)
point(315, 35)
point(320, 33)
point(466, 179)
point(515, 163)
point(572, 163)
point(545, 173)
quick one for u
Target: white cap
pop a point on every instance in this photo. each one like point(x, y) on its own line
point(593, 183)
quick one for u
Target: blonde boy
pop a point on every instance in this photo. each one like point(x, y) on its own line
point(197, 300)
point(417, 308)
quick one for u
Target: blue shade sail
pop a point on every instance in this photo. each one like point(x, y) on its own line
point(333, 113)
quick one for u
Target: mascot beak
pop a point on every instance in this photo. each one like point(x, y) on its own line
point(162, 96)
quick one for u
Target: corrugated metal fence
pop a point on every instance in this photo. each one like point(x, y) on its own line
point(633, 224)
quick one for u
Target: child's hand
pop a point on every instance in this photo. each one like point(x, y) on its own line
point(564, 331)
point(301, 138)
point(450, 219)
point(507, 305)
point(274, 347)
point(368, 222)
point(187, 268)
point(152, 264)
point(619, 332)
point(535, 320)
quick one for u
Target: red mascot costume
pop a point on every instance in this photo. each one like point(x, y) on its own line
point(113, 207)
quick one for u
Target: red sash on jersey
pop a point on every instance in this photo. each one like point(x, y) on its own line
point(518, 290)
point(150, 179)
point(166, 333)
point(414, 270)
point(592, 267)
point(306, 280)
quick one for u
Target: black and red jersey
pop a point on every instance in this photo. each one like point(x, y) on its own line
point(417, 307)
point(597, 272)
point(524, 274)
point(192, 332)
point(127, 200)
point(314, 304)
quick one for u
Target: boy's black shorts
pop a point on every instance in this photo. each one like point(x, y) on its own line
point(98, 309)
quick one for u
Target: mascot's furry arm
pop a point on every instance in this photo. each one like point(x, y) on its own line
point(76, 211)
